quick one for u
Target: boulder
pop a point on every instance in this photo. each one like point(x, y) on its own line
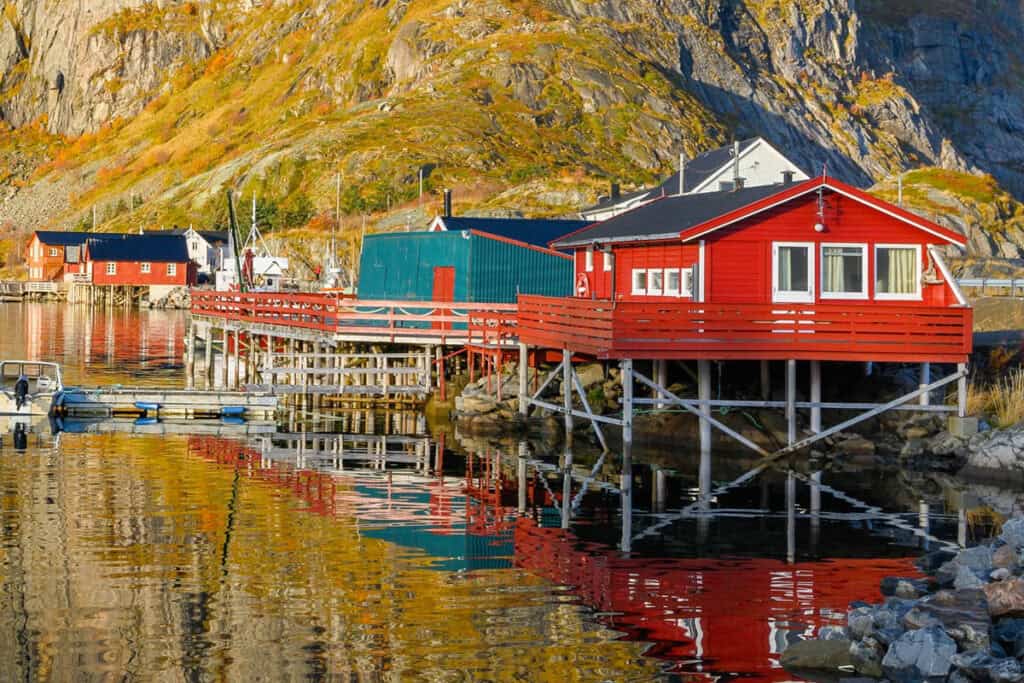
point(978, 560)
point(860, 622)
point(1005, 557)
point(856, 445)
point(1001, 574)
point(965, 578)
point(905, 588)
point(983, 667)
point(866, 657)
point(963, 614)
point(1013, 533)
point(590, 374)
point(820, 655)
point(1005, 598)
point(919, 655)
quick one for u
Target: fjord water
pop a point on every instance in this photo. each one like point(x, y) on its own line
point(204, 557)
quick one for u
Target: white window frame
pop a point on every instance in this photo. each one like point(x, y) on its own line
point(111, 268)
point(861, 295)
point(673, 271)
point(639, 291)
point(686, 282)
point(607, 259)
point(53, 252)
point(793, 297)
point(172, 269)
point(588, 259)
point(146, 267)
point(651, 291)
point(886, 296)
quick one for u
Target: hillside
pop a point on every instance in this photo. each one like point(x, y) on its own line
point(142, 113)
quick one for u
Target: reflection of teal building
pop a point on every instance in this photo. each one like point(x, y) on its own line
point(467, 259)
point(453, 547)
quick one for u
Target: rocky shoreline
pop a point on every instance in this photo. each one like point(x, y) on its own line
point(964, 622)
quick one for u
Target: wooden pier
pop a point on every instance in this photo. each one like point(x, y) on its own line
point(160, 403)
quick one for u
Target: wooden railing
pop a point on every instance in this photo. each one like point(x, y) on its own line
point(847, 331)
point(344, 315)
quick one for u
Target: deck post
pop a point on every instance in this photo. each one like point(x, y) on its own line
point(661, 377)
point(439, 362)
point(270, 354)
point(626, 487)
point(961, 390)
point(208, 356)
point(567, 394)
point(626, 367)
point(225, 352)
point(815, 509)
point(926, 379)
point(766, 380)
point(790, 402)
point(190, 356)
point(238, 358)
point(524, 378)
point(521, 471)
point(658, 489)
point(704, 395)
point(816, 395)
point(567, 477)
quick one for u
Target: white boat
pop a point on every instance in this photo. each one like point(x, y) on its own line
point(29, 387)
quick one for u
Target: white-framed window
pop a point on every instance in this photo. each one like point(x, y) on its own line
point(897, 271)
point(673, 281)
point(639, 281)
point(793, 271)
point(172, 268)
point(145, 267)
point(111, 268)
point(53, 251)
point(588, 260)
point(607, 259)
point(655, 282)
point(844, 271)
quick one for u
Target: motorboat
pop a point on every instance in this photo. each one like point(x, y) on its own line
point(29, 387)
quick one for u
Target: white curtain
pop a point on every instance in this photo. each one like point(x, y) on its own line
point(835, 275)
point(785, 269)
point(902, 272)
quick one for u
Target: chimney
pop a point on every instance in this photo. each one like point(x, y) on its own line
point(787, 177)
point(616, 192)
point(447, 203)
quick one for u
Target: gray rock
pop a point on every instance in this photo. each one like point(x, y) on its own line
point(982, 667)
point(822, 655)
point(833, 633)
point(919, 655)
point(1000, 574)
point(860, 622)
point(866, 657)
point(965, 578)
point(1013, 533)
point(963, 614)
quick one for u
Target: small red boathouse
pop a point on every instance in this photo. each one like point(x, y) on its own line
point(815, 271)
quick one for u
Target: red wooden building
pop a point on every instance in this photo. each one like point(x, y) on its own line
point(138, 260)
point(56, 256)
point(815, 271)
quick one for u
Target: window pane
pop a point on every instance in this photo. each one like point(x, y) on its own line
point(793, 269)
point(639, 281)
point(843, 270)
point(655, 280)
point(897, 270)
point(672, 281)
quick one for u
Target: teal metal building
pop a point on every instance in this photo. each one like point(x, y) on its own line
point(466, 263)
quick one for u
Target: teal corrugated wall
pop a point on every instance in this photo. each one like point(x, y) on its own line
point(401, 266)
point(499, 269)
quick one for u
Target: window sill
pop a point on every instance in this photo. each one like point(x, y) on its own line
point(844, 296)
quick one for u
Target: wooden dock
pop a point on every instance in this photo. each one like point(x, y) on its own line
point(142, 402)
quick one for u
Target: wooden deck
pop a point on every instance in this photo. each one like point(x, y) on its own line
point(848, 331)
point(347, 319)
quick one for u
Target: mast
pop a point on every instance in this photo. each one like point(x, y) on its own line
point(233, 241)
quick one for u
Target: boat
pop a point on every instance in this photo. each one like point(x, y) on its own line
point(29, 387)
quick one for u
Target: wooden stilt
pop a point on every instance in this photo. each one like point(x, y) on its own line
point(224, 356)
point(766, 380)
point(926, 379)
point(961, 390)
point(704, 394)
point(567, 394)
point(661, 377)
point(790, 402)
point(816, 396)
point(524, 378)
point(626, 367)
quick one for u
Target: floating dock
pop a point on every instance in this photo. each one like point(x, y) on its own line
point(165, 403)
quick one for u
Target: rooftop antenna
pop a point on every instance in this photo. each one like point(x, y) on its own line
point(682, 173)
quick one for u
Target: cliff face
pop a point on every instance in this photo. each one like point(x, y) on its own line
point(532, 103)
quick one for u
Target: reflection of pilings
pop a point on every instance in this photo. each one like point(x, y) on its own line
point(567, 483)
point(658, 489)
point(704, 394)
point(790, 402)
point(704, 496)
point(790, 518)
point(815, 510)
point(626, 487)
point(961, 528)
point(521, 472)
point(922, 523)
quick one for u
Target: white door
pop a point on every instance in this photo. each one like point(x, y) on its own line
point(793, 272)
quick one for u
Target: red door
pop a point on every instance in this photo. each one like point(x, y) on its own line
point(444, 290)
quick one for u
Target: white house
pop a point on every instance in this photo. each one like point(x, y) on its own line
point(267, 273)
point(745, 163)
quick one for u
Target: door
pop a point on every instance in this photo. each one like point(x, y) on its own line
point(444, 290)
point(793, 272)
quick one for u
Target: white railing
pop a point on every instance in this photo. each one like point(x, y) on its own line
point(41, 288)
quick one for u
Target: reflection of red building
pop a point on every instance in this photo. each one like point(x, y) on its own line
point(709, 615)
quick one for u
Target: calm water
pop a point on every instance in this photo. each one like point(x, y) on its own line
point(392, 554)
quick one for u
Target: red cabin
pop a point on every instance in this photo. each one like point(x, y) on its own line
point(817, 271)
point(138, 260)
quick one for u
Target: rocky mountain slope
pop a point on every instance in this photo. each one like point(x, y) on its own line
point(141, 112)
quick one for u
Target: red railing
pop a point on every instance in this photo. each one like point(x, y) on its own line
point(338, 314)
point(847, 331)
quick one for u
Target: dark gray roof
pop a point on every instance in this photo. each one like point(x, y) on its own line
point(62, 238)
point(668, 216)
point(211, 236)
point(698, 170)
point(536, 232)
point(158, 248)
